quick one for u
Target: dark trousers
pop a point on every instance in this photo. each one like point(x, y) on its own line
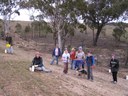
point(114, 75)
point(89, 73)
point(65, 68)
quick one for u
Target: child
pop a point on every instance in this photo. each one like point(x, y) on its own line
point(90, 62)
point(66, 60)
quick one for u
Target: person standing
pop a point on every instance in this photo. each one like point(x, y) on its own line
point(114, 65)
point(9, 41)
point(72, 57)
point(66, 60)
point(80, 56)
point(90, 61)
point(56, 54)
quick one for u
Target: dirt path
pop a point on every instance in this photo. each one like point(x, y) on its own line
point(25, 83)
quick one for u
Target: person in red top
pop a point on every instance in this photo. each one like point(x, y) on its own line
point(72, 57)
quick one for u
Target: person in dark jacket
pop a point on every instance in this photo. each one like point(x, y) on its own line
point(90, 61)
point(114, 65)
point(37, 62)
point(9, 41)
point(56, 54)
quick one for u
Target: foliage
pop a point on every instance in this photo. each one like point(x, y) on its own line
point(58, 12)
point(119, 31)
point(98, 13)
point(27, 29)
point(41, 27)
point(18, 28)
point(7, 8)
point(95, 13)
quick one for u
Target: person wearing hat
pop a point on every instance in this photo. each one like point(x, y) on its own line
point(66, 60)
point(37, 63)
point(72, 57)
point(80, 56)
point(114, 65)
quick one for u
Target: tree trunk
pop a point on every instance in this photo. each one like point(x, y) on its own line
point(70, 40)
point(6, 26)
point(55, 41)
point(93, 34)
point(126, 63)
point(33, 35)
point(63, 44)
point(97, 35)
point(59, 39)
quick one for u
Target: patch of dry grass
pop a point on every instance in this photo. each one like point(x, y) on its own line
point(17, 80)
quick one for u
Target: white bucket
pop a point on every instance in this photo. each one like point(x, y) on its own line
point(5, 51)
point(109, 70)
point(33, 68)
point(126, 77)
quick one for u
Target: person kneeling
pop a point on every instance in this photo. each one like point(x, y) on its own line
point(37, 64)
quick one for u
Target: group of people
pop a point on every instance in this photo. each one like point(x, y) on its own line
point(77, 60)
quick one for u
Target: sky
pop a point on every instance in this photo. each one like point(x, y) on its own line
point(25, 15)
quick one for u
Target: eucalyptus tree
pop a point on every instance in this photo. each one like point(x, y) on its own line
point(7, 8)
point(119, 31)
point(57, 12)
point(100, 12)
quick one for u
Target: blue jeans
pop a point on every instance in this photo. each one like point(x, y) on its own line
point(89, 73)
point(54, 58)
point(78, 64)
point(10, 50)
point(73, 64)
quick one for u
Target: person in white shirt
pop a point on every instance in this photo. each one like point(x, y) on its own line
point(66, 60)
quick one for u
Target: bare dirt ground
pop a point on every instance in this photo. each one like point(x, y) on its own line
point(17, 80)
